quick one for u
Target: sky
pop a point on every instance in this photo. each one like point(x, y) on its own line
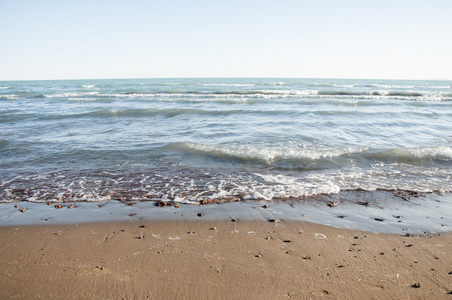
point(78, 39)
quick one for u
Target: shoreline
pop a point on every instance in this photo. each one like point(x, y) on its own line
point(207, 259)
point(378, 211)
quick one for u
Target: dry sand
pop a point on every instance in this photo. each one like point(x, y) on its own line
point(220, 260)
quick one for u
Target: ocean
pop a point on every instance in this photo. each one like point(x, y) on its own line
point(220, 140)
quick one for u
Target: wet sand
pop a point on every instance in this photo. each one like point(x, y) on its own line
point(209, 259)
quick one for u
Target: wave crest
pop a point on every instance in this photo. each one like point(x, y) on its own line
point(267, 154)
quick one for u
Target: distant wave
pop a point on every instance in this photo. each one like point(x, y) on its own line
point(72, 94)
point(228, 84)
point(389, 86)
point(9, 97)
point(264, 94)
point(136, 113)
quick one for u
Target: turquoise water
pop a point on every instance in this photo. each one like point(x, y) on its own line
point(192, 139)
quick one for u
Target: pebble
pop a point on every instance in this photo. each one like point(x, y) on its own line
point(274, 220)
point(58, 206)
point(23, 210)
point(416, 285)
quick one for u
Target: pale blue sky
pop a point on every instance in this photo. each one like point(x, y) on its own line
point(207, 38)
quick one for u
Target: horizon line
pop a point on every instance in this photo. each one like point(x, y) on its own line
point(224, 77)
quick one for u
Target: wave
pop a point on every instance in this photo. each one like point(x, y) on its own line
point(228, 84)
point(70, 94)
point(410, 155)
point(271, 154)
point(389, 86)
point(9, 97)
point(137, 113)
point(266, 154)
point(265, 94)
point(4, 87)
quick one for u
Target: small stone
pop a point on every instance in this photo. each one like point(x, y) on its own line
point(409, 245)
point(23, 210)
point(408, 235)
point(212, 228)
point(161, 203)
point(416, 285)
point(333, 203)
point(264, 206)
point(131, 215)
point(58, 206)
point(176, 206)
point(378, 219)
point(257, 255)
point(274, 220)
point(234, 220)
point(286, 241)
point(199, 214)
point(15, 206)
point(130, 203)
point(70, 206)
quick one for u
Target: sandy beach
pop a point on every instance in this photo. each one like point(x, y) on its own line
point(220, 260)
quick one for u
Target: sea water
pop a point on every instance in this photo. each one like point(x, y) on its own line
point(189, 140)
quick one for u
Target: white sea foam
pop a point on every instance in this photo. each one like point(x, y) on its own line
point(82, 99)
point(440, 151)
point(10, 97)
point(228, 84)
point(88, 86)
point(270, 154)
point(72, 94)
point(4, 87)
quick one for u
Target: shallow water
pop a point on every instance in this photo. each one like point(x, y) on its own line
point(186, 140)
